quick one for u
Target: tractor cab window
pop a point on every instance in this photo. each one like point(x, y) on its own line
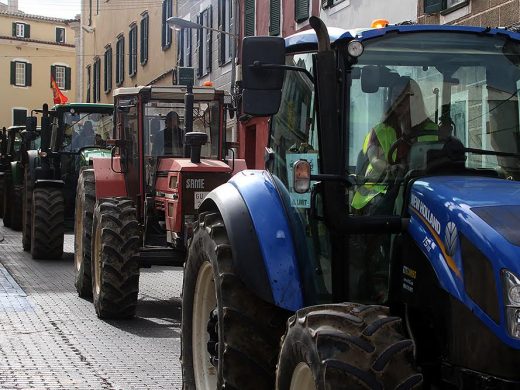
point(294, 136)
point(85, 129)
point(164, 128)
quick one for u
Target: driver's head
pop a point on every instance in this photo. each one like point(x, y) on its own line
point(87, 128)
point(172, 120)
point(406, 103)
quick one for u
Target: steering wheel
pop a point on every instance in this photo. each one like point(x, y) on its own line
point(407, 139)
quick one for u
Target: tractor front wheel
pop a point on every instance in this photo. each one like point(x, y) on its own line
point(85, 204)
point(47, 223)
point(6, 200)
point(346, 346)
point(229, 337)
point(115, 269)
point(16, 208)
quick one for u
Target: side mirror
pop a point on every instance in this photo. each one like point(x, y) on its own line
point(262, 75)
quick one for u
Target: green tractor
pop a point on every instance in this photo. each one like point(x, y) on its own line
point(17, 142)
point(72, 134)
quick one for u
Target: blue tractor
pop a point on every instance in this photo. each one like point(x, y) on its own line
point(380, 247)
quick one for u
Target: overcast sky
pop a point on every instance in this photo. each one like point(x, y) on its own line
point(66, 9)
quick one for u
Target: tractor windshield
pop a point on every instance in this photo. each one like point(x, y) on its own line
point(164, 128)
point(410, 93)
point(84, 129)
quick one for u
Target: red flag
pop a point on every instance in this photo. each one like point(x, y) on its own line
point(59, 97)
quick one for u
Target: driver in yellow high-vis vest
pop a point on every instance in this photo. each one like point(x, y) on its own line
point(406, 116)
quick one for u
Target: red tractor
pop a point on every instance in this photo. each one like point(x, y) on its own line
point(137, 208)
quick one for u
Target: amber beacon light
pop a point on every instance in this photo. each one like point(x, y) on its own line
point(379, 23)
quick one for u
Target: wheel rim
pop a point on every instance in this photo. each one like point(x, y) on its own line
point(204, 303)
point(78, 236)
point(97, 260)
point(302, 378)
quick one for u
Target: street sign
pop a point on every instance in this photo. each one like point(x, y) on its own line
point(185, 76)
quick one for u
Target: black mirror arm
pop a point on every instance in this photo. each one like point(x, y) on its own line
point(259, 65)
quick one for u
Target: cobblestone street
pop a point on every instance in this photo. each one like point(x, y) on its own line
point(52, 339)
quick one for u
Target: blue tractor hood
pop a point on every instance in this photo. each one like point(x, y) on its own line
point(450, 214)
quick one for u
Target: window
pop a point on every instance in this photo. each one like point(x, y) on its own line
point(120, 60)
point(301, 10)
point(96, 94)
point(330, 3)
point(226, 21)
point(61, 74)
point(108, 69)
point(19, 116)
point(184, 47)
point(166, 31)
point(87, 99)
point(249, 18)
point(275, 17)
point(21, 30)
point(132, 50)
point(21, 73)
point(60, 35)
point(204, 41)
point(144, 38)
point(432, 6)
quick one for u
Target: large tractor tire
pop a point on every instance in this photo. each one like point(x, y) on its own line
point(6, 200)
point(27, 209)
point(229, 337)
point(2, 180)
point(47, 223)
point(115, 270)
point(16, 208)
point(85, 204)
point(346, 346)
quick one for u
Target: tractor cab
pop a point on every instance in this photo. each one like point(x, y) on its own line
point(172, 150)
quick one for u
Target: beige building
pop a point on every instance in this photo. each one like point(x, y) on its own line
point(124, 44)
point(32, 48)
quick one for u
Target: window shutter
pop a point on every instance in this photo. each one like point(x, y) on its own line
point(249, 18)
point(199, 45)
point(28, 75)
point(13, 73)
point(221, 37)
point(141, 36)
point(14, 29)
point(27, 31)
point(53, 73)
point(301, 10)
point(274, 21)
point(163, 29)
point(67, 78)
point(432, 6)
point(188, 47)
point(209, 38)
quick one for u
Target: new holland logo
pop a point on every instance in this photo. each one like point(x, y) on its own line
point(451, 237)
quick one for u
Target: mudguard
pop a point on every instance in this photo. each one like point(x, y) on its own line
point(16, 173)
point(264, 256)
point(109, 183)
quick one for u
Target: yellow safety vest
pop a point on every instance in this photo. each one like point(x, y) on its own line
point(386, 135)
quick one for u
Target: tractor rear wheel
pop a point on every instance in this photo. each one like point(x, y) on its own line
point(229, 337)
point(16, 208)
point(47, 223)
point(85, 204)
point(346, 346)
point(6, 200)
point(115, 270)
point(27, 209)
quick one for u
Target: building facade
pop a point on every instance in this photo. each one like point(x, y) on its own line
point(124, 44)
point(486, 13)
point(33, 48)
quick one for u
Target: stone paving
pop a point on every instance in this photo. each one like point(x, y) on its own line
point(52, 339)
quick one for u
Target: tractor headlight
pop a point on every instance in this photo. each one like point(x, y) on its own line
point(511, 288)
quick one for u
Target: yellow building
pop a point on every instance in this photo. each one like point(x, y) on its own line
point(31, 49)
point(124, 44)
